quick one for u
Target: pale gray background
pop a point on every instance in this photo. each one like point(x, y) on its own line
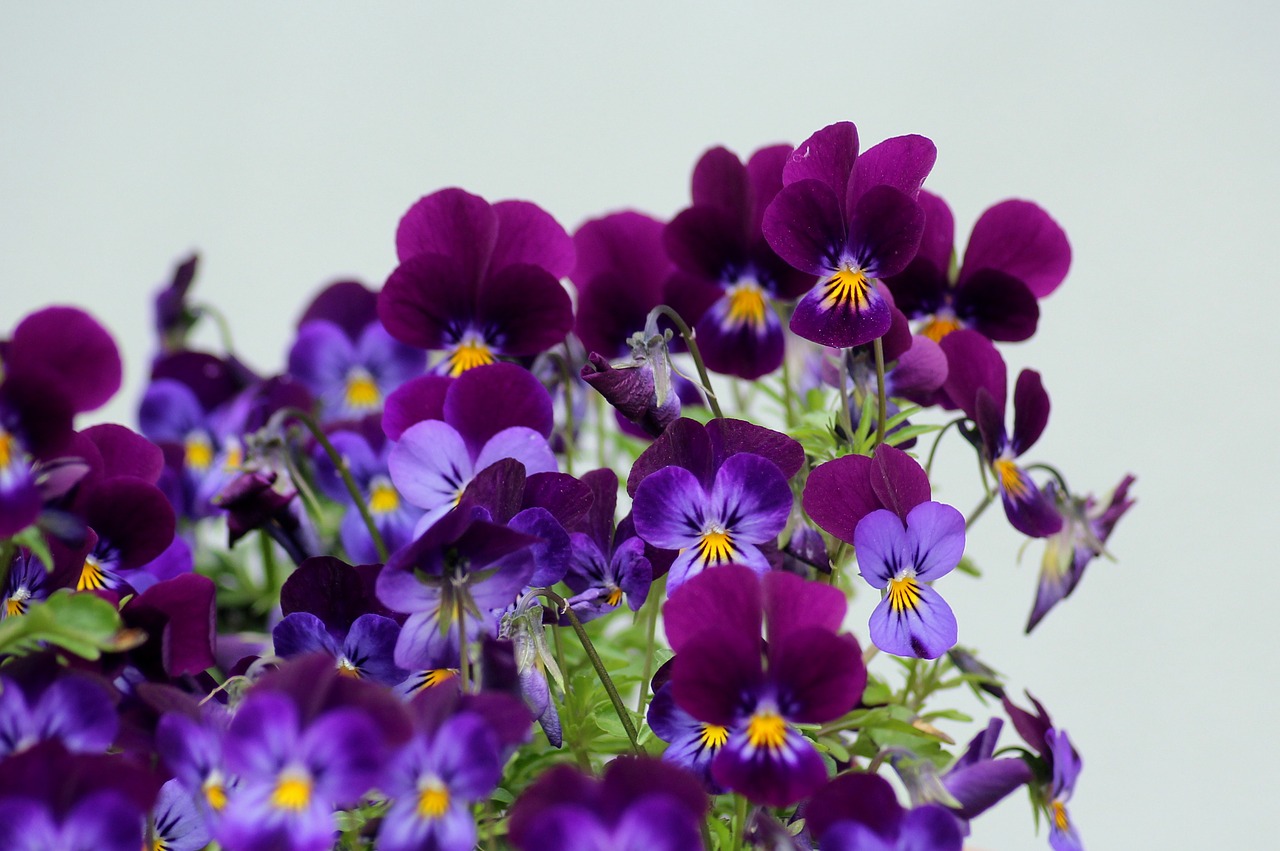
point(285, 143)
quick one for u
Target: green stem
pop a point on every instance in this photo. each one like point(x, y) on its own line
point(846, 415)
point(340, 464)
point(623, 715)
point(739, 822)
point(224, 328)
point(464, 648)
point(977, 512)
point(787, 393)
point(883, 411)
point(687, 333)
point(270, 570)
point(8, 549)
point(928, 467)
point(1053, 471)
point(652, 604)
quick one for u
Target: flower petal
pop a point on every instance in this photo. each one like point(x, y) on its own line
point(924, 626)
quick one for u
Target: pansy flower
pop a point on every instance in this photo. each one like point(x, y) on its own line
point(728, 275)
point(859, 812)
point(434, 460)
point(1059, 767)
point(691, 744)
point(478, 280)
point(73, 709)
point(605, 566)
point(849, 219)
point(1086, 526)
point(176, 823)
point(976, 383)
point(726, 674)
point(639, 804)
point(345, 357)
point(1016, 255)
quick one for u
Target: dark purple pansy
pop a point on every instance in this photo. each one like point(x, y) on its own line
point(691, 744)
point(364, 650)
point(859, 812)
point(703, 449)
point(640, 804)
point(479, 281)
point(978, 779)
point(848, 219)
point(603, 570)
point(976, 383)
point(839, 493)
point(174, 316)
point(720, 676)
point(1086, 526)
point(435, 460)
point(346, 358)
point(728, 274)
point(74, 709)
point(1016, 255)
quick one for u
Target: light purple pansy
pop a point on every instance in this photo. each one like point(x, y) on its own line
point(848, 219)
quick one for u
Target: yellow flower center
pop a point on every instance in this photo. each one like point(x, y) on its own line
point(198, 451)
point(715, 547)
point(293, 790)
point(1060, 817)
point(470, 353)
point(215, 793)
point(383, 498)
point(766, 730)
point(746, 305)
point(435, 677)
point(713, 736)
point(1010, 478)
point(17, 603)
point(939, 326)
point(347, 669)
point(904, 593)
point(362, 392)
point(235, 457)
point(92, 576)
point(6, 448)
point(615, 596)
point(849, 287)
point(433, 800)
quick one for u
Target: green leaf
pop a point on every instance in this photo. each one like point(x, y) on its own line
point(33, 539)
point(966, 565)
point(82, 624)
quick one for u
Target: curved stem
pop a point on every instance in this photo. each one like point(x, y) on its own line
point(623, 715)
point(340, 464)
point(224, 328)
point(687, 333)
point(883, 412)
point(928, 467)
point(648, 652)
point(846, 415)
point(1053, 471)
point(977, 512)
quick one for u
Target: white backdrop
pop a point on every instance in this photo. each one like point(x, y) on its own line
point(285, 142)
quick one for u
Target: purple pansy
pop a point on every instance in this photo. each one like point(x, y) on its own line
point(364, 651)
point(346, 358)
point(720, 676)
point(174, 316)
point(747, 505)
point(1016, 255)
point(1082, 538)
point(73, 709)
point(434, 460)
point(976, 383)
point(850, 220)
point(859, 812)
point(691, 744)
point(979, 779)
point(479, 281)
point(604, 566)
point(727, 272)
point(900, 556)
point(367, 455)
point(1060, 767)
point(176, 823)
point(640, 804)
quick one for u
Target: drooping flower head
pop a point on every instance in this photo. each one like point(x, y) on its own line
point(478, 280)
point(976, 383)
point(639, 804)
point(849, 219)
point(345, 357)
point(1016, 255)
point(725, 675)
point(728, 274)
point(1058, 768)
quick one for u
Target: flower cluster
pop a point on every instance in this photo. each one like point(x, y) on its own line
point(491, 563)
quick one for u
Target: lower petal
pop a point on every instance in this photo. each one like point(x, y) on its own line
point(776, 776)
point(842, 315)
point(920, 624)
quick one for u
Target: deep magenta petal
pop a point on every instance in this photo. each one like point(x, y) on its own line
point(805, 226)
point(733, 347)
point(921, 369)
point(715, 672)
point(524, 310)
point(529, 234)
point(416, 400)
point(973, 364)
point(726, 600)
point(620, 272)
point(920, 289)
point(775, 777)
point(452, 223)
point(998, 306)
point(1030, 410)
point(838, 494)
point(902, 162)
point(792, 603)
point(730, 436)
point(827, 156)
point(126, 453)
point(866, 799)
point(720, 180)
point(1022, 240)
point(427, 301)
point(884, 231)
point(841, 327)
point(764, 172)
point(819, 675)
point(899, 482)
point(684, 443)
point(70, 345)
point(348, 304)
point(469, 403)
point(133, 516)
point(1031, 511)
point(939, 240)
point(707, 241)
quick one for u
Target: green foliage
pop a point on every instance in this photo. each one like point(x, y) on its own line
point(82, 624)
